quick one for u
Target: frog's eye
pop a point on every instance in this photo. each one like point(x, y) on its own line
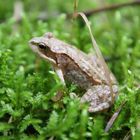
point(42, 46)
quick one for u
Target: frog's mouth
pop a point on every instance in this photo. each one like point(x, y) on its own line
point(35, 49)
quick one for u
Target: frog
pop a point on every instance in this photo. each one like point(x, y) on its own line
point(75, 66)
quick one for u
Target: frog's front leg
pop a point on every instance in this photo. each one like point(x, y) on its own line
point(99, 97)
point(61, 77)
point(60, 74)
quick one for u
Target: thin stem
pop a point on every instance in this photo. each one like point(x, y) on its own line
point(111, 7)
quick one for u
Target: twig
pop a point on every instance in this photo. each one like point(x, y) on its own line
point(18, 11)
point(111, 7)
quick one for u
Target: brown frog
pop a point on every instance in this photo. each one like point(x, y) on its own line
point(71, 64)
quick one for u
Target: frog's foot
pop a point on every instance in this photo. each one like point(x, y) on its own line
point(99, 97)
point(73, 95)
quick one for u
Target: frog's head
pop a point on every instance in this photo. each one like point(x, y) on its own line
point(42, 46)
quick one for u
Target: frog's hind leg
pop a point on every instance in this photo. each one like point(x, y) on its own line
point(95, 103)
point(98, 108)
point(98, 98)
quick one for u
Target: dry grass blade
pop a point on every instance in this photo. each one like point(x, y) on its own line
point(114, 117)
point(98, 53)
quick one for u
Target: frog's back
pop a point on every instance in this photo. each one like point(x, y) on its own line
point(79, 58)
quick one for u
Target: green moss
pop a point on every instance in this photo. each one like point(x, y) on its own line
point(28, 84)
